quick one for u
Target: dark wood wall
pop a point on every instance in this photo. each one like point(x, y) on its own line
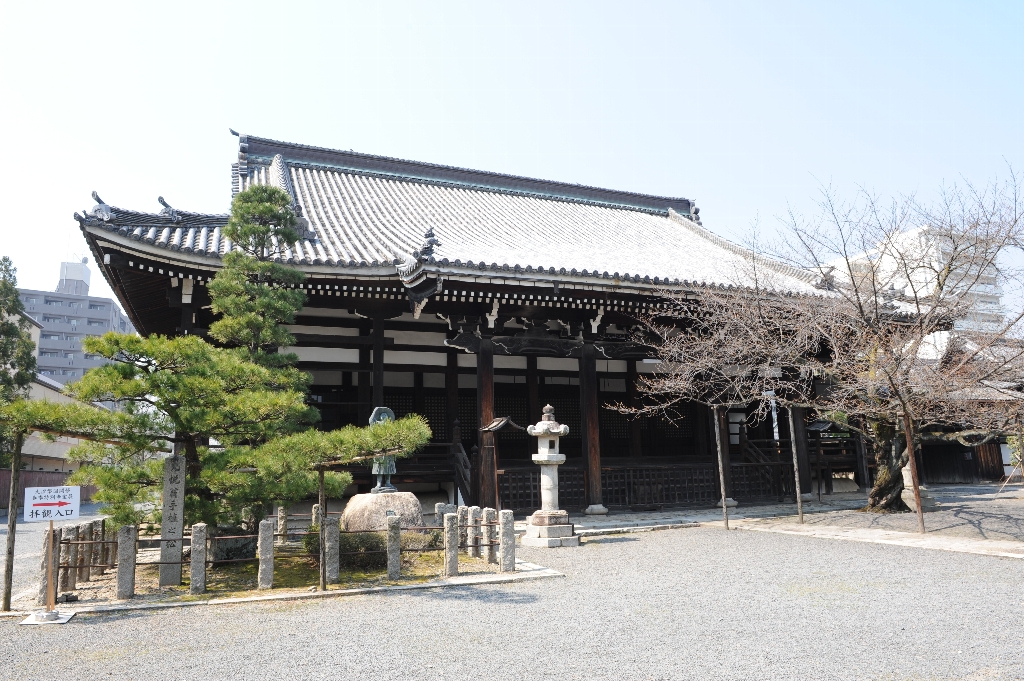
point(660, 438)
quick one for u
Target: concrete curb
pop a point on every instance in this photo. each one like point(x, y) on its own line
point(936, 542)
point(524, 571)
point(631, 529)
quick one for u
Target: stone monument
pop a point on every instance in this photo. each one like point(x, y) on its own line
point(173, 521)
point(928, 502)
point(369, 512)
point(549, 527)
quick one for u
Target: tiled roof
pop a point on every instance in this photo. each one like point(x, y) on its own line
point(372, 216)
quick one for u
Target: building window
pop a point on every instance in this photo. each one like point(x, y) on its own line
point(69, 356)
point(95, 306)
point(31, 301)
point(89, 355)
point(123, 327)
point(53, 319)
point(50, 336)
point(56, 303)
point(95, 322)
point(49, 354)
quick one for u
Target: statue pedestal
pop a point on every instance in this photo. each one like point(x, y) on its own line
point(369, 512)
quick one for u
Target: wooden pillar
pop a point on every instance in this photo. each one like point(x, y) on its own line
point(485, 408)
point(187, 319)
point(590, 428)
point(532, 389)
point(863, 474)
point(363, 391)
point(451, 387)
point(418, 401)
point(802, 448)
point(633, 400)
point(378, 360)
point(723, 429)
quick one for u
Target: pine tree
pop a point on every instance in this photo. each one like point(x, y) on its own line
point(253, 294)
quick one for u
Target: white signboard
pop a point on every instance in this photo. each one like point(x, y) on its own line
point(51, 503)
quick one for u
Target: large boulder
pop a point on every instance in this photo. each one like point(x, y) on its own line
point(367, 512)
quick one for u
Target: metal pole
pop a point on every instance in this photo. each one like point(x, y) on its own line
point(796, 467)
point(721, 466)
point(12, 522)
point(322, 520)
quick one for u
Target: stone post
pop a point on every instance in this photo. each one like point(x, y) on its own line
point(172, 522)
point(105, 547)
point(71, 532)
point(463, 513)
point(490, 551)
point(473, 532)
point(314, 518)
point(265, 551)
point(507, 542)
point(84, 551)
point(97, 549)
point(65, 578)
point(332, 554)
point(126, 538)
point(394, 547)
point(282, 524)
point(197, 564)
point(54, 562)
point(450, 567)
point(441, 510)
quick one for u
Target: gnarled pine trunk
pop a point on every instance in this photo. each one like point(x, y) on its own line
point(887, 494)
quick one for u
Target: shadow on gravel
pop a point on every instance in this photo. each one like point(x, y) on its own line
point(616, 539)
point(120, 616)
point(473, 593)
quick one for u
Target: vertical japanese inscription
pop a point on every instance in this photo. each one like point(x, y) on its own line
point(173, 521)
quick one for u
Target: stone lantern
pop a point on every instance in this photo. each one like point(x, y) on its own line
point(549, 527)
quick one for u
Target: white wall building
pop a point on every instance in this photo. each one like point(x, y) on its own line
point(68, 315)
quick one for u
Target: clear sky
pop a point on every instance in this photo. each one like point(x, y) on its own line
point(745, 107)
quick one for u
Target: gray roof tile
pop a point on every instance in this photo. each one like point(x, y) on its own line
point(370, 215)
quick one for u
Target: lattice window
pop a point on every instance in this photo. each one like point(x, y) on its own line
point(400, 400)
point(435, 407)
point(614, 424)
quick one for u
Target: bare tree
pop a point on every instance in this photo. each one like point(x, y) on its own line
point(917, 347)
point(883, 318)
point(752, 344)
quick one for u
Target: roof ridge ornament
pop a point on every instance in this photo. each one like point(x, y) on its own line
point(427, 249)
point(827, 280)
point(168, 210)
point(101, 210)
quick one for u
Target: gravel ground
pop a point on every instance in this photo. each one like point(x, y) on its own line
point(678, 604)
point(28, 549)
point(977, 512)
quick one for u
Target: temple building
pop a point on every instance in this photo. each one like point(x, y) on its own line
point(466, 296)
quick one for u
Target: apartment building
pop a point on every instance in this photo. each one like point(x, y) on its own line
point(68, 315)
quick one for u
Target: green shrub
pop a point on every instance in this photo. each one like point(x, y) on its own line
point(354, 548)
